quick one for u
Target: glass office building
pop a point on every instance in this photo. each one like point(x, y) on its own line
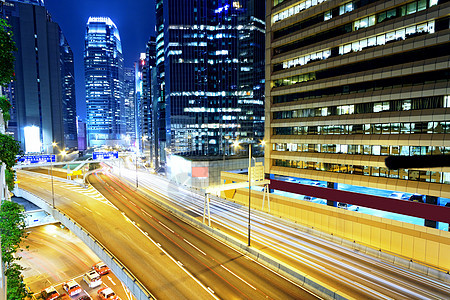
point(210, 61)
point(43, 93)
point(103, 65)
point(350, 83)
point(129, 104)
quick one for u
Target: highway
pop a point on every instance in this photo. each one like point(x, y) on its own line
point(172, 259)
point(356, 275)
point(52, 255)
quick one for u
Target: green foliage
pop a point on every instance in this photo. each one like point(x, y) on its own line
point(5, 106)
point(9, 149)
point(94, 166)
point(7, 49)
point(12, 232)
point(9, 176)
point(16, 288)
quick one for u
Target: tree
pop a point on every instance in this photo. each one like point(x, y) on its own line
point(12, 232)
point(9, 176)
point(5, 106)
point(9, 149)
point(7, 49)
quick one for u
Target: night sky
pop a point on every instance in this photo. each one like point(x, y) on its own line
point(135, 20)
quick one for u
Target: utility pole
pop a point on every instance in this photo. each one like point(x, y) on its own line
point(249, 187)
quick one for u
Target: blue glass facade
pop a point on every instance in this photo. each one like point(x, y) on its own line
point(103, 63)
point(210, 63)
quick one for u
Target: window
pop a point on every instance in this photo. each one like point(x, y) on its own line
point(411, 8)
point(327, 15)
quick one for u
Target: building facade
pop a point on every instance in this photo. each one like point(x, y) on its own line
point(209, 62)
point(145, 67)
point(43, 94)
point(103, 65)
point(129, 104)
point(350, 83)
point(68, 93)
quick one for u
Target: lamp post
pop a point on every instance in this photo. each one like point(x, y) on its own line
point(137, 182)
point(249, 187)
point(51, 175)
point(236, 144)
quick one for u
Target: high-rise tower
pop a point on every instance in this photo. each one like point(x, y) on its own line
point(210, 74)
point(43, 94)
point(350, 83)
point(103, 64)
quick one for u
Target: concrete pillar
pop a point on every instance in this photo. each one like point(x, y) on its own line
point(431, 200)
point(332, 185)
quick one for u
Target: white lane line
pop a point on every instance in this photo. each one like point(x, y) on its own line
point(208, 289)
point(146, 212)
point(166, 227)
point(110, 279)
point(194, 247)
point(87, 208)
point(239, 277)
point(74, 202)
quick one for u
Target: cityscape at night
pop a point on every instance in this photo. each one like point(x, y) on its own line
point(225, 149)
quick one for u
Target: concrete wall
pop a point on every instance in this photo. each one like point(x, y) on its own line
point(406, 242)
point(119, 269)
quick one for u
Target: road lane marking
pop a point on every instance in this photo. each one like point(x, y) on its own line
point(87, 208)
point(194, 247)
point(74, 202)
point(208, 289)
point(110, 279)
point(239, 277)
point(166, 227)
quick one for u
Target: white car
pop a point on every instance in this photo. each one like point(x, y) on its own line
point(72, 287)
point(92, 279)
point(398, 195)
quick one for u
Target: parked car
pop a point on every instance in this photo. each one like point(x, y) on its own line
point(416, 198)
point(308, 198)
point(106, 293)
point(49, 293)
point(101, 268)
point(398, 195)
point(92, 279)
point(347, 206)
point(72, 287)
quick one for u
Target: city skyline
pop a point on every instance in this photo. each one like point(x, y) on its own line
point(136, 24)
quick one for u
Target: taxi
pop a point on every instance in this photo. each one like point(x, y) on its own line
point(101, 268)
point(49, 293)
point(106, 293)
point(72, 288)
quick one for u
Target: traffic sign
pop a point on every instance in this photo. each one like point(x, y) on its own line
point(33, 159)
point(105, 155)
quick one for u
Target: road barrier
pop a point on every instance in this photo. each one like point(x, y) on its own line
point(116, 266)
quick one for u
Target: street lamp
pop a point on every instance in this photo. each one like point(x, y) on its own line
point(137, 182)
point(51, 170)
point(236, 144)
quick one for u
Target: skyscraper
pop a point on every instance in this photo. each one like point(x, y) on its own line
point(129, 103)
point(351, 83)
point(43, 94)
point(143, 69)
point(68, 93)
point(103, 64)
point(210, 77)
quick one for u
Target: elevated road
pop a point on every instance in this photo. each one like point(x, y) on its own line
point(172, 259)
point(356, 275)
